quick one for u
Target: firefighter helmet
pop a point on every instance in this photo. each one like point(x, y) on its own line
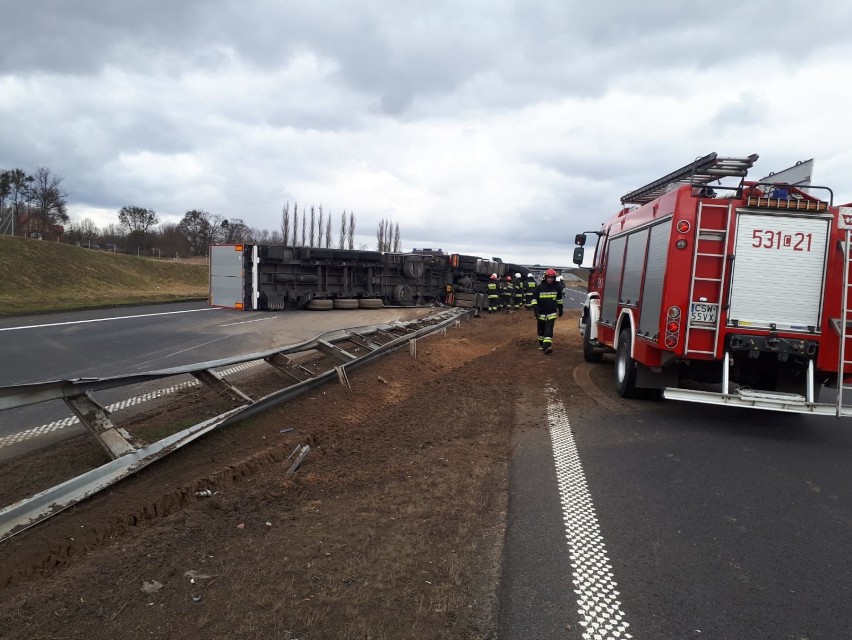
point(493, 276)
point(529, 275)
point(518, 276)
point(550, 272)
point(508, 278)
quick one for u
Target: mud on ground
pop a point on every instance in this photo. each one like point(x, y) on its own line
point(391, 528)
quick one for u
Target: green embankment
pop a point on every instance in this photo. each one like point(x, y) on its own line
point(49, 276)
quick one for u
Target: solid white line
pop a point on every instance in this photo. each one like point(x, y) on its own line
point(61, 324)
point(600, 611)
point(231, 324)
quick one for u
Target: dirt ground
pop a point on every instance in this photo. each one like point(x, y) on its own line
point(391, 528)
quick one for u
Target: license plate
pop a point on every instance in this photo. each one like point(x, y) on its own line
point(703, 312)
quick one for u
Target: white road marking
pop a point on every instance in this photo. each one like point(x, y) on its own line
point(231, 324)
point(123, 404)
point(174, 353)
point(600, 611)
point(62, 324)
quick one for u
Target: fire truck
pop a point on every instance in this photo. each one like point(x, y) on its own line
point(712, 288)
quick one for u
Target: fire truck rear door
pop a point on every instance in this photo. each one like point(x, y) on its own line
point(778, 271)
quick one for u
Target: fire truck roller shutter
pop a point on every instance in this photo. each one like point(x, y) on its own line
point(778, 270)
point(655, 270)
point(633, 263)
point(612, 284)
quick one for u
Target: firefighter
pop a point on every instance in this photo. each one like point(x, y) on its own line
point(508, 298)
point(547, 305)
point(529, 289)
point(493, 293)
point(519, 292)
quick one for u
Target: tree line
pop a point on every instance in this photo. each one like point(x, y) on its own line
point(36, 206)
point(37, 201)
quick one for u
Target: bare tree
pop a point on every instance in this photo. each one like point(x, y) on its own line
point(351, 230)
point(285, 223)
point(197, 228)
point(380, 236)
point(304, 225)
point(313, 230)
point(48, 198)
point(320, 227)
point(16, 184)
point(328, 231)
point(137, 219)
point(342, 243)
point(88, 230)
point(397, 242)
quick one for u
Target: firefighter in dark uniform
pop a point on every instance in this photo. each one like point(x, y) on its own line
point(547, 306)
point(529, 289)
point(519, 291)
point(508, 294)
point(493, 293)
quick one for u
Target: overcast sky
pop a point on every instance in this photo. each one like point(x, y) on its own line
point(491, 127)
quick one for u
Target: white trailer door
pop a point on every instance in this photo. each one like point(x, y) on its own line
point(778, 271)
point(226, 276)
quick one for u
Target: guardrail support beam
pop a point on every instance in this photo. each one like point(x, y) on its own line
point(94, 416)
point(335, 352)
point(216, 382)
point(290, 367)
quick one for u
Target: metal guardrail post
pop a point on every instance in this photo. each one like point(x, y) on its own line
point(116, 442)
point(216, 382)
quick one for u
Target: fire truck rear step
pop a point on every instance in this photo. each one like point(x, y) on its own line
point(772, 401)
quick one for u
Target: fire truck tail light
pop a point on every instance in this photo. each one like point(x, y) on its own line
point(682, 226)
point(681, 244)
point(672, 327)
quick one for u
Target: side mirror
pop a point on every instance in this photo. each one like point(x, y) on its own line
point(578, 255)
point(580, 239)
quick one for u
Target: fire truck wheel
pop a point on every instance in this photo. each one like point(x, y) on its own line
point(625, 367)
point(589, 353)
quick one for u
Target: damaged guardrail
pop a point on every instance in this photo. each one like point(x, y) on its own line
point(129, 455)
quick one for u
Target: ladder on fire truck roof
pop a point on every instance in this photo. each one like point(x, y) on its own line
point(700, 172)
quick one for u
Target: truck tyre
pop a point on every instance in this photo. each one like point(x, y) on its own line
point(345, 303)
point(589, 353)
point(625, 367)
point(413, 270)
point(320, 304)
point(369, 303)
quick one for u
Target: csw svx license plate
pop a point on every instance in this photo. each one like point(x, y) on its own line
point(703, 312)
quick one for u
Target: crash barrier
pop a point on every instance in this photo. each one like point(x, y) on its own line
point(129, 455)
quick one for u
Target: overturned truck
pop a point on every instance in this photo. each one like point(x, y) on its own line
point(278, 277)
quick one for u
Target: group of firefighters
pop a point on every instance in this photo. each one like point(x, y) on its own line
point(544, 298)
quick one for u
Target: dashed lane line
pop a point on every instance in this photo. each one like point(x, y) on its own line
point(56, 425)
point(600, 611)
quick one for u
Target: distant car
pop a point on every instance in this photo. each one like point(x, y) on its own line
point(94, 246)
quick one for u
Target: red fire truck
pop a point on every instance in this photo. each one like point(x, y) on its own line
point(720, 293)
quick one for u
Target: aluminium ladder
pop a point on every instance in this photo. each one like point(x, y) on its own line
point(715, 235)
